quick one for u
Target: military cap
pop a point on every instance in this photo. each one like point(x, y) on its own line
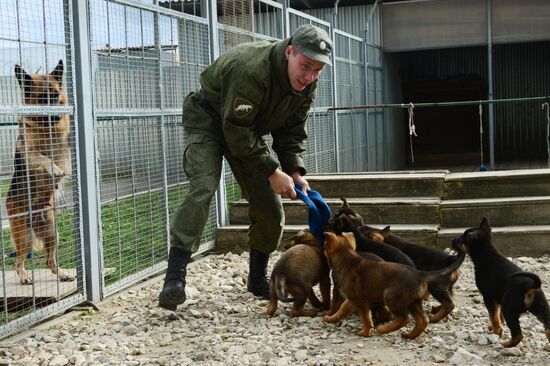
point(313, 42)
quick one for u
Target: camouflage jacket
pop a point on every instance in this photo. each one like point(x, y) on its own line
point(249, 96)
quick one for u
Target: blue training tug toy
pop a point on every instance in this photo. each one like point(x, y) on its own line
point(319, 213)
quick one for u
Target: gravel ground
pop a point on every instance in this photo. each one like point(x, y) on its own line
point(222, 324)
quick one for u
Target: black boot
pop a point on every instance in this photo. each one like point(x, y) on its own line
point(258, 282)
point(173, 292)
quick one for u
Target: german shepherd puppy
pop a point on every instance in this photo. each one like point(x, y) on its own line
point(40, 163)
point(425, 258)
point(364, 282)
point(347, 220)
point(505, 288)
point(299, 268)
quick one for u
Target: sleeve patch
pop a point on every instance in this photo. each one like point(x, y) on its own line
point(242, 107)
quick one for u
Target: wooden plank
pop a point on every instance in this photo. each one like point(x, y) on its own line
point(44, 292)
point(45, 284)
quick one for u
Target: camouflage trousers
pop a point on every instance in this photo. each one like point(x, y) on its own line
point(202, 163)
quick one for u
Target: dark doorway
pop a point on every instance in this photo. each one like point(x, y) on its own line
point(446, 135)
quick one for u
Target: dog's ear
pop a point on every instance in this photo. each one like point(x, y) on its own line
point(358, 219)
point(485, 226)
point(385, 232)
point(24, 79)
point(344, 202)
point(350, 238)
point(294, 237)
point(57, 73)
point(376, 235)
point(331, 242)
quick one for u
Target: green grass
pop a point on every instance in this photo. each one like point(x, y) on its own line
point(133, 234)
point(4, 186)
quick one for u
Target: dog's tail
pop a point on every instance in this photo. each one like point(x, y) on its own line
point(280, 287)
point(435, 275)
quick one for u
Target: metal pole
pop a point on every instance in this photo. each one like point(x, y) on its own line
point(163, 133)
point(366, 56)
point(490, 82)
point(286, 19)
point(221, 199)
point(334, 91)
point(86, 153)
point(442, 104)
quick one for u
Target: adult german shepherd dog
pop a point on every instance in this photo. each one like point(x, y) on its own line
point(42, 160)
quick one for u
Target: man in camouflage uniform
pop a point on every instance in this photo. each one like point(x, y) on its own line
point(252, 90)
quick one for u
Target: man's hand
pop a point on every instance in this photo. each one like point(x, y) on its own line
point(299, 180)
point(282, 184)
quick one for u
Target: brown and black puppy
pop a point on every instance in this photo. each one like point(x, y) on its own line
point(380, 313)
point(299, 268)
point(505, 288)
point(347, 220)
point(42, 159)
point(364, 282)
point(425, 258)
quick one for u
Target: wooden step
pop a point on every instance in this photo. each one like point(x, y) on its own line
point(234, 238)
point(513, 241)
point(376, 210)
point(493, 184)
point(380, 184)
point(515, 211)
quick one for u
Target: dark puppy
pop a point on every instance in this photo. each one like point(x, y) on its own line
point(347, 220)
point(425, 258)
point(365, 282)
point(299, 268)
point(504, 286)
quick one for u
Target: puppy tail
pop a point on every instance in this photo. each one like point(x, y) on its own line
point(435, 275)
point(280, 287)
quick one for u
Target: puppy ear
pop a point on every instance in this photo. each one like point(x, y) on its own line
point(358, 218)
point(297, 235)
point(57, 73)
point(344, 202)
point(485, 226)
point(350, 238)
point(385, 232)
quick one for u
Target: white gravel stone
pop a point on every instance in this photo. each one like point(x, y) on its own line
point(58, 360)
point(222, 324)
point(513, 351)
point(463, 357)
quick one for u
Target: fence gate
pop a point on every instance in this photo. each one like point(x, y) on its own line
point(39, 174)
point(145, 59)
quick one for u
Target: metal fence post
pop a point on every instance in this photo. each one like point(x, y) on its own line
point(221, 196)
point(334, 91)
point(86, 154)
point(490, 82)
